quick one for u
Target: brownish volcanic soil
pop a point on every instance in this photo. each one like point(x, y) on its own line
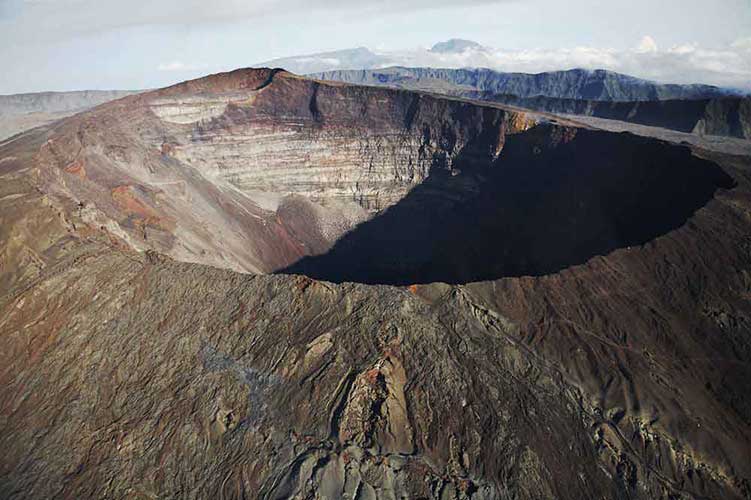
point(594, 340)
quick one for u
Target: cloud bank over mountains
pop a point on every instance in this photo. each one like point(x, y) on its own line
point(104, 44)
point(689, 63)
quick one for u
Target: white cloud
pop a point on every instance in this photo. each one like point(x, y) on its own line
point(686, 48)
point(728, 66)
point(742, 44)
point(647, 44)
point(65, 44)
point(329, 61)
point(181, 66)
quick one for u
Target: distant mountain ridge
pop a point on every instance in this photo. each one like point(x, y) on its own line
point(597, 85)
point(357, 58)
point(19, 112)
point(455, 45)
point(56, 102)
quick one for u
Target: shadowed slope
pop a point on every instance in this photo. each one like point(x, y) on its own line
point(554, 198)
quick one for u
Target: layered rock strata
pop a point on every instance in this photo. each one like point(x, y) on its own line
point(254, 169)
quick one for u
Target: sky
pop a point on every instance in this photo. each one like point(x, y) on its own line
point(139, 44)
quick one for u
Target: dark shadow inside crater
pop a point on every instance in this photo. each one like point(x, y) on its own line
point(545, 204)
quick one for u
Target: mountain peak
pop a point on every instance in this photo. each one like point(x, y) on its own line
point(360, 57)
point(454, 45)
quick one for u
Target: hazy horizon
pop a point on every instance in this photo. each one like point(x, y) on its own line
point(66, 45)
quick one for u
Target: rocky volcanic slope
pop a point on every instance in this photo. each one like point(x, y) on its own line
point(600, 85)
point(130, 374)
point(19, 112)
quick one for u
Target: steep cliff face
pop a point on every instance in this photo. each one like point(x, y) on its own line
point(334, 142)
point(620, 373)
point(254, 169)
point(727, 116)
point(599, 85)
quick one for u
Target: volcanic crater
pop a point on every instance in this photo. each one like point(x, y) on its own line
point(138, 363)
point(552, 198)
point(265, 172)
